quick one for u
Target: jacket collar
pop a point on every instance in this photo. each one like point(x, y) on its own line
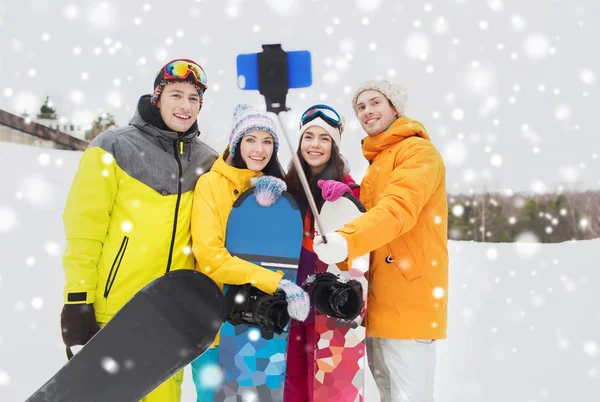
point(399, 130)
point(239, 177)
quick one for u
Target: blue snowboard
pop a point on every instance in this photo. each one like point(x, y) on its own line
point(272, 238)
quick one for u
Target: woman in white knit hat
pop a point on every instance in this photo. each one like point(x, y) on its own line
point(328, 176)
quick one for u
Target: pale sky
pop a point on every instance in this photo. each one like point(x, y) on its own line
point(506, 88)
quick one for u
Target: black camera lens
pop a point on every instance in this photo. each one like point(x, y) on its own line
point(250, 306)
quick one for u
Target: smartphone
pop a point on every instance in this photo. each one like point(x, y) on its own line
point(299, 70)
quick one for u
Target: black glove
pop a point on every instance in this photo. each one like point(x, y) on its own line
point(78, 323)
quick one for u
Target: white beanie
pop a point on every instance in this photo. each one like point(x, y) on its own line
point(335, 133)
point(395, 93)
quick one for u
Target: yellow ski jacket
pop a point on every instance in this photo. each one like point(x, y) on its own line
point(127, 215)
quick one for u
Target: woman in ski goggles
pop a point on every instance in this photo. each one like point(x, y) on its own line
point(325, 112)
point(328, 178)
point(182, 68)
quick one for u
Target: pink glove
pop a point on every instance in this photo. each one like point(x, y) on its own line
point(332, 190)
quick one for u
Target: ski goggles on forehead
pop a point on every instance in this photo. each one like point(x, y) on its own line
point(181, 69)
point(323, 111)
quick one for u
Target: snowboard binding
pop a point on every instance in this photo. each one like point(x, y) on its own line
point(248, 305)
point(334, 295)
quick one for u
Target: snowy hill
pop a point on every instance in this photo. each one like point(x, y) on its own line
point(524, 319)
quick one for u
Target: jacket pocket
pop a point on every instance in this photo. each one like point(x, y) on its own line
point(114, 269)
point(403, 258)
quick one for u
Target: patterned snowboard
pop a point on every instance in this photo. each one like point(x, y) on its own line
point(341, 368)
point(254, 367)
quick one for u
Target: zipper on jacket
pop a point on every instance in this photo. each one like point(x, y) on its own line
point(179, 177)
point(115, 266)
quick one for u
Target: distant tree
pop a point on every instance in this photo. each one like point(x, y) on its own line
point(551, 218)
point(101, 124)
point(47, 111)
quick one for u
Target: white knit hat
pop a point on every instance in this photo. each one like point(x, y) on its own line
point(395, 93)
point(335, 133)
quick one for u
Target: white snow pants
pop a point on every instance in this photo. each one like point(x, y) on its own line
point(403, 368)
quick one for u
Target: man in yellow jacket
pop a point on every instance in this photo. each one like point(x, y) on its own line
point(405, 230)
point(127, 216)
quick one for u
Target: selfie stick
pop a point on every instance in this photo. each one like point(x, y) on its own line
point(273, 84)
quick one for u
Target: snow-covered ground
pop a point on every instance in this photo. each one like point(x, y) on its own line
point(524, 319)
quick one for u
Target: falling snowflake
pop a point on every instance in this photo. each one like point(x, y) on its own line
point(37, 190)
point(458, 210)
point(284, 7)
point(8, 219)
point(538, 187)
point(538, 300)
point(368, 6)
point(492, 253)
point(25, 101)
point(110, 365)
point(126, 226)
point(37, 303)
point(4, 379)
point(569, 173)
point(101, 15)
point(563, 112)
point(518, 22)
point(590, 348)
point(458, 114)
point(536, 46)
point(210, 376)
point(527, 244)
point(253, 335)
point(496, 5)
point(161, 54)
point(455, 153)
point(416, 46)
point(52, 248)
point(587, 76)
point(439, 292)
point(440, 26)
point(76, 96)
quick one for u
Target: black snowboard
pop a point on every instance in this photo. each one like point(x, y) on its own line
point(164, 327)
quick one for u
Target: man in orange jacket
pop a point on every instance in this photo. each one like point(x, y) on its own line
point(405, 229)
